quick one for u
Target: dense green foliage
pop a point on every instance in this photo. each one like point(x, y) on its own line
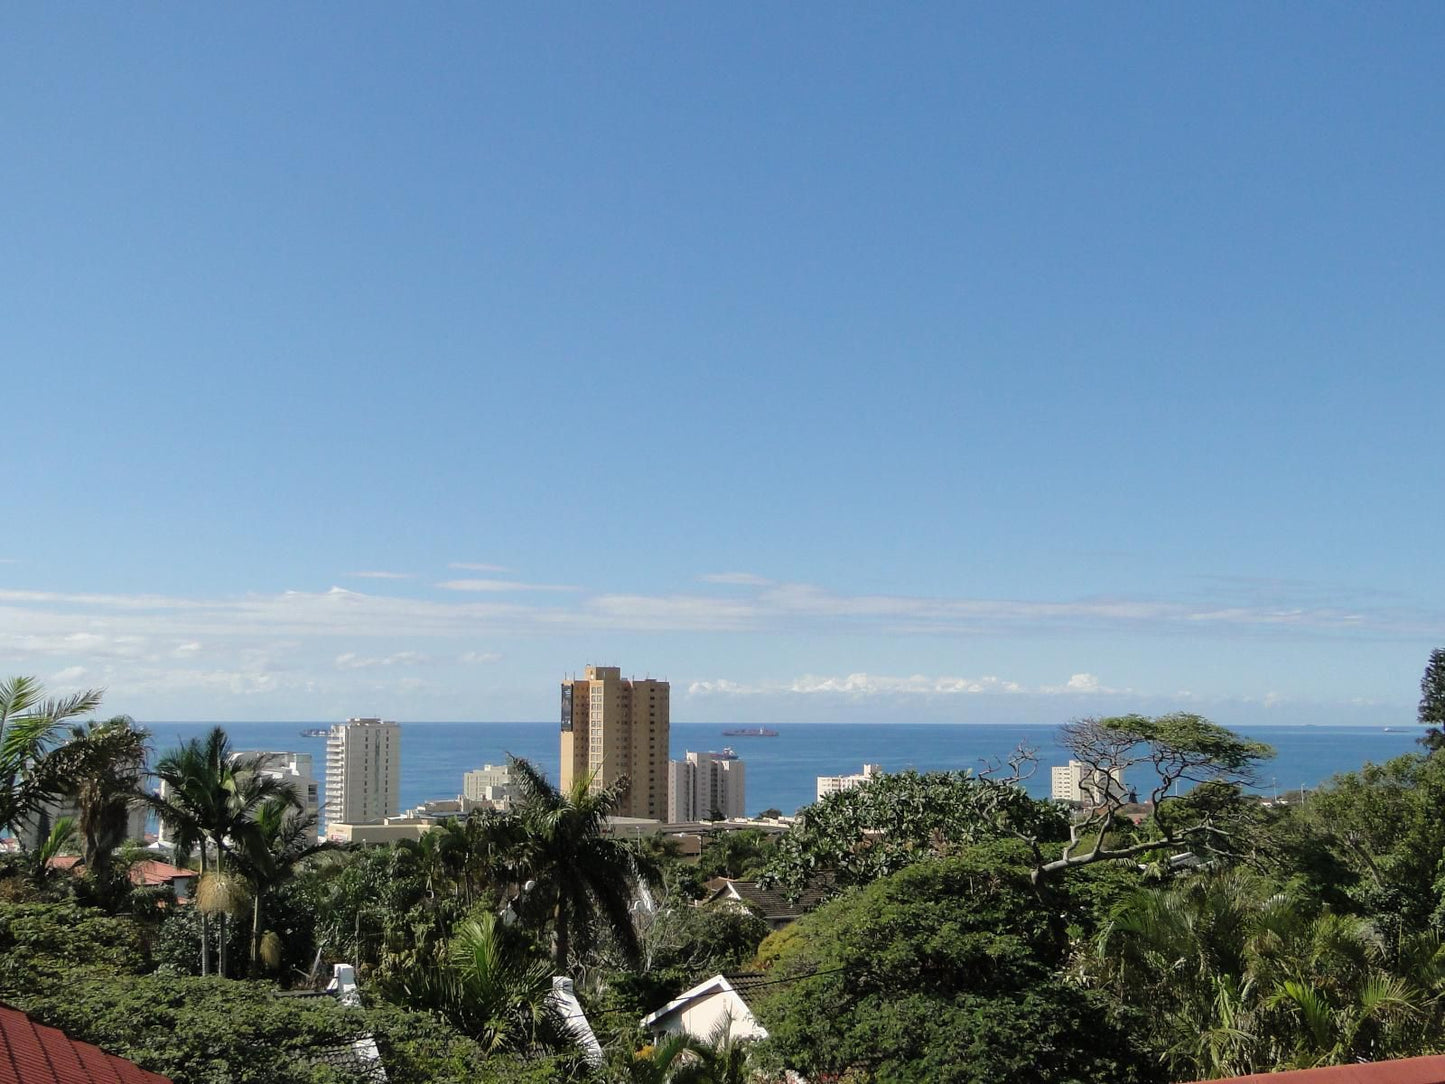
point(1242, 976)
point(859, 835)
point(947, 971)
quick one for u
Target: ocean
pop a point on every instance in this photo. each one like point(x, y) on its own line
point(781, 771)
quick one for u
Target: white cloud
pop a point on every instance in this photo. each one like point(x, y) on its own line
point(859, 685)
point(312, 650)
point(502, 586)
point(736, 579)
point(68, 676)
point(1084, 685)
point(351, 661)
point(469, 566)
point(378, 575)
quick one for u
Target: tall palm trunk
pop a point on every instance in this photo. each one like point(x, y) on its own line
point(205, 923)
point(255, 927)
point(562, 947)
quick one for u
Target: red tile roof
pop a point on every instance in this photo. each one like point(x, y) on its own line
point(32, 1053)
point(1429, 1070)
point(146, 872)
point(158, 873)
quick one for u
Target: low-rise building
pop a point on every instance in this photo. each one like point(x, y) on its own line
point(836, 784)
point(387, 830)
point(769, 904)
point(719, 1007)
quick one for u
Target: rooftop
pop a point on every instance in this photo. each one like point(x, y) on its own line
point(1428, 1070)
point(32, 1053)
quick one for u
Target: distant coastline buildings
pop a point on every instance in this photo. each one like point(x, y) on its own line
point(835, 784)
point(491, 785)
point(615, 729)
point(363, 771)
point(1081, 784)
point(294, 770)
point(705, 787)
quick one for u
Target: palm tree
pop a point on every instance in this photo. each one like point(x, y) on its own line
point(660, 1062)
point(579, 876)
point(61, 840)
point(488, 988)
point(680, 1058)
point(723, 1059)
point(210, 798)
point(283, 837)
point(1248, 978)
point(100, 767)
point(29, 724)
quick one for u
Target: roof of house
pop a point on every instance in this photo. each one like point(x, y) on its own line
point(1428, 1070)
point(747, 985)
point(32, 1053)
point(771, 901)
point(152, 872)
point(147, 872)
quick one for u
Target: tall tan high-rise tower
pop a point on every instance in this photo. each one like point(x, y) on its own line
point(615, 728)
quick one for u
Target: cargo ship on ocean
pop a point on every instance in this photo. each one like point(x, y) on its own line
point(750, 732)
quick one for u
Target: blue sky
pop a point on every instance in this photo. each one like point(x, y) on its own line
point(881, 363)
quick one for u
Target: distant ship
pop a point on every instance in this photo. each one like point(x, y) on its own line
point(728, 753)
point(750, 732)
point(315, 732)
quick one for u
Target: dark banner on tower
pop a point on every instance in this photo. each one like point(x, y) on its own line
point(567, 707)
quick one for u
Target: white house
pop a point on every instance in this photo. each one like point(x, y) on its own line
point(710, 1010)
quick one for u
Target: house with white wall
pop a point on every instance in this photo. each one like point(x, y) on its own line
point(710, 1010)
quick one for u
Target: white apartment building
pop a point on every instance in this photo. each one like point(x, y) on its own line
point(363, 771)
point(293, 769)
point(836, 784)
point(704, 784)
point(492, 785)
point(1077, 782)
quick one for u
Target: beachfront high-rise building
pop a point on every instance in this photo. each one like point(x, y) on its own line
point(615, 728)
point(834, 784)
point(363, 771)
point(704, 787)
point(1077, 782)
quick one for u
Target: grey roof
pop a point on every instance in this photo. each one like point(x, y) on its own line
point(748, 986)
point(772, 902)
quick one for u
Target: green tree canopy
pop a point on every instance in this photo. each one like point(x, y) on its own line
point(890, 821)
point(1153, 760)
point(948, 971)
